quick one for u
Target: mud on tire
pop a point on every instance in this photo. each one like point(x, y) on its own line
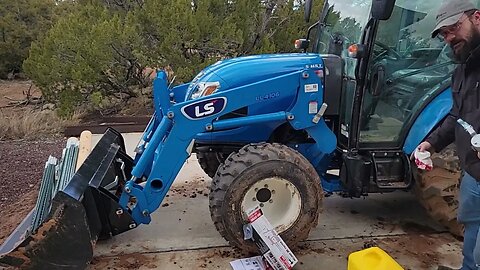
point(254, 163)
point(437, 190)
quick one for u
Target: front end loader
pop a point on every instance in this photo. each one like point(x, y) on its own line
point(112, 193)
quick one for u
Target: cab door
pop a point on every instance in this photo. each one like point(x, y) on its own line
point(407, 69)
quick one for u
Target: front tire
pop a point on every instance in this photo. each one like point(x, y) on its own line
point(274, 176)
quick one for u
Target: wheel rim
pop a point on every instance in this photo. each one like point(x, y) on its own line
point(279, 200)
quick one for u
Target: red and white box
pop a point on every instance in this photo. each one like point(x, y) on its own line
point(271, 245)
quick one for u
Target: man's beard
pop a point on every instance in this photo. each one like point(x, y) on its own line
point(468, 46)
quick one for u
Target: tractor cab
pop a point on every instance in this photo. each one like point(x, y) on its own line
point(390, 71)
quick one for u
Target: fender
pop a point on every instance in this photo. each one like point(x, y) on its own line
point(430, 116)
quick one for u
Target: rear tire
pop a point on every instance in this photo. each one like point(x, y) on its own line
point(437, 190)
point(289, 191)
point(210, 161)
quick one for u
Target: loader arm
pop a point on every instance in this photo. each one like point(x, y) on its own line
point(112, 193)
point(169, 138)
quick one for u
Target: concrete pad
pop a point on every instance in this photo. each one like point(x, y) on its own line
point(182, 235)
point(411, 252)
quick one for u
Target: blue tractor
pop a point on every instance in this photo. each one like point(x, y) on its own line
point(275, 131)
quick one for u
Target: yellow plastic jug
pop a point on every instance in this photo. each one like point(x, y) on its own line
point(372, 258)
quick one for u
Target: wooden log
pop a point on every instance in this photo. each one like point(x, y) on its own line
point(85, 147)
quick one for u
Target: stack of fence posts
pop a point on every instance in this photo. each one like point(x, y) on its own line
point(57, 174)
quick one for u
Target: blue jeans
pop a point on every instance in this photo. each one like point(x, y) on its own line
point(469, 215)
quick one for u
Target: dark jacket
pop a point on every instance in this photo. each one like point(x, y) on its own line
point(466, 105)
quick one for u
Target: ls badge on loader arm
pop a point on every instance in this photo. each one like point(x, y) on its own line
point(204, 108)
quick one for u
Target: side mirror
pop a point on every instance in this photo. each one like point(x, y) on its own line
point(382, 9)
point(308, 10)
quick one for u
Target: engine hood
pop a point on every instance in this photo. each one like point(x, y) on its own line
point(240, 71)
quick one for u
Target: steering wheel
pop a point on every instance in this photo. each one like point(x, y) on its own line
point(321, 46)
point(386, 51)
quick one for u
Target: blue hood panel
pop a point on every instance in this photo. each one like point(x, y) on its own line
point(245, 70)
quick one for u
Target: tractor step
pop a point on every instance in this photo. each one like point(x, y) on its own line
point(392, 170)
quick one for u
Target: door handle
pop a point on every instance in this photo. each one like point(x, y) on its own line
point(378, 81)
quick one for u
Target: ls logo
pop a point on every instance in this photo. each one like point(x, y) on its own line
point(207, 110)
point(204, 108)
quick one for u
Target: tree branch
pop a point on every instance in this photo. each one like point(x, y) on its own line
point(276, 28)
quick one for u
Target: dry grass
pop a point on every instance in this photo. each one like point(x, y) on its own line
point(31, 124)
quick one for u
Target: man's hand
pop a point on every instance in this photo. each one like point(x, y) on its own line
point(478, 154)
point(424, 146)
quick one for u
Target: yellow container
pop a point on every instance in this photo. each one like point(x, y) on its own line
point(372, 258)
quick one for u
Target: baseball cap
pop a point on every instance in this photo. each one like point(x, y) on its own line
point(450, 12)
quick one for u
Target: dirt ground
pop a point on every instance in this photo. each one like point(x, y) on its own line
point(21, 169)
point(21, 161)
point(11, 92)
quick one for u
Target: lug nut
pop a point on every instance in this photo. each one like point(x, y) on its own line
point(270, 201)
point(266, 186)
point(127, 189)
point(145, 213)
point(273, 191)
point(132, 225)
point(261, 205)
point(119, 212)
point(254, 199)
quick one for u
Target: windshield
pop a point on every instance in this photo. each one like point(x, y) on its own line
point(343, 26)
point(410, 27)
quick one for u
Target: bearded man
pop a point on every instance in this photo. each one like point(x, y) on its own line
point(458, 25)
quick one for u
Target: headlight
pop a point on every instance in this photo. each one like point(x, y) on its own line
point(204, 89)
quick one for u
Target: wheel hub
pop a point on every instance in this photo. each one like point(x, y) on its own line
point(263, 195)
point(279, 200)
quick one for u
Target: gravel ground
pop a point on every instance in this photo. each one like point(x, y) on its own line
point(21, 168)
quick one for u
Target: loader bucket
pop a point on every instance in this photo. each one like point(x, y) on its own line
point(85, 211)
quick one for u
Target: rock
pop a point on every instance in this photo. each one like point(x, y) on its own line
point(146, 91)
point(48, 106)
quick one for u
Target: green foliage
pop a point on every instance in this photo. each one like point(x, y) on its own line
point(68, 100)
point(88, 50)
point(96, 98)
point(21, 22)
point(101, 47)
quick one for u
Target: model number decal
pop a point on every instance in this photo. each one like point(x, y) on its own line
point(314, 66)
point(268, 96)
point(204, 108)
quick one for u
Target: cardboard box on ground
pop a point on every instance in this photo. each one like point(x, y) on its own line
point(276, 254)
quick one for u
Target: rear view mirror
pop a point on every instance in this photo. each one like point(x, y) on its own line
point(308, 10)
point(382, 9)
